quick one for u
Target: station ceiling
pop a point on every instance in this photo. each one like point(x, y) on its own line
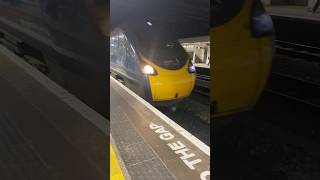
point(188, 18)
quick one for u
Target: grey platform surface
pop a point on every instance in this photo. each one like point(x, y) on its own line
point(18, 159)
point(46, 133)
point(144, 153)
point(298, 12)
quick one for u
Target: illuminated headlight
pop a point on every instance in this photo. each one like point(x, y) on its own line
point(149, 70)
point(192, 68)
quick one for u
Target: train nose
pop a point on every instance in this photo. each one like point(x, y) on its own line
point(170, 87)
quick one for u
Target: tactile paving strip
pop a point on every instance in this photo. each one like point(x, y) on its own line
point(140, 161)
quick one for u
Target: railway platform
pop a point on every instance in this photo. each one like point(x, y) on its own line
point(293, 12)
point(45, 132)
point(296, 31)
point(149, 144)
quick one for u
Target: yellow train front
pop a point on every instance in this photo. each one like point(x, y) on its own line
point(152, 65)
point(241, 46)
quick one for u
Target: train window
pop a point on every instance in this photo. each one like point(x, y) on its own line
point(166, 54)
point(114, 47)
point(128, 56)
point(223, 11)
point(121, 49)
point(131, 58)
point(153, 42)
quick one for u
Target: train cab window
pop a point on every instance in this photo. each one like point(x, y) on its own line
point(223, 11)
point(153, 42)
point(166, 54)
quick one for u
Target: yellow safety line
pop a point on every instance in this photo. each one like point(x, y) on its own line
point(115, 170)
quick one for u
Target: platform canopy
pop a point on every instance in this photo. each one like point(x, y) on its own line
point(187, 18)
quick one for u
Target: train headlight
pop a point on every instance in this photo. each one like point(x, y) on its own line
point(192, 68)
point(261, 22)
point(149, 70)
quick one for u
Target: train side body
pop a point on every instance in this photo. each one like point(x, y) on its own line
point(72, 36)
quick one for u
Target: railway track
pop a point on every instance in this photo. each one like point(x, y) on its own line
point(294, 88)
point(281, 136)
point(296, 111)
point(202, 85)
point(309, 53)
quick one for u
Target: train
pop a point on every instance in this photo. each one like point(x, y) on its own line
point(181, 19)
point(66, 39)
point(154, 66)
point(241, 35)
